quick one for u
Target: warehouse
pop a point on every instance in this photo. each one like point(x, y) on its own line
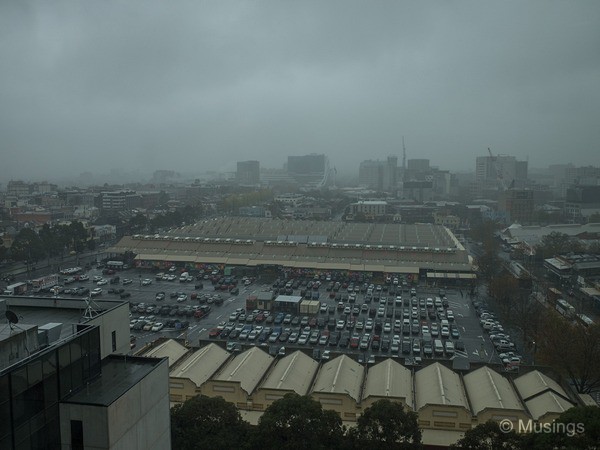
point(338, 385)
point(544, 398)
point(492, 397)
point(409, 250)
point(168, 348)
point(236, 381)
point(187, 379)
point(388, 380)
point(292, 374)
point(441, 400)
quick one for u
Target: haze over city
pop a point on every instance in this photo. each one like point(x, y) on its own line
point(197, 86)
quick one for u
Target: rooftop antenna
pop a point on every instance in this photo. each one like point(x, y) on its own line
point(92, 309)
point(403, 159)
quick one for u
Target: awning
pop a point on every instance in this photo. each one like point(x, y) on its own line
point(237, 261)
point(397, 269)
point(374, 268)
point(357, 267)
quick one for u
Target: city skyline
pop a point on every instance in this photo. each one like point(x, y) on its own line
point(198, 87)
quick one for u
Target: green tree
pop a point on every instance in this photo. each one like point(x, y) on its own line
point(207, 422)
point(556, 243)
point(27, 246)
point(295, 422)
point(488, 436)
point(386, 425)
point(579, 362)
point(576, 428)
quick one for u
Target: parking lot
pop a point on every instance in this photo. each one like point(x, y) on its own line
point(364, 319)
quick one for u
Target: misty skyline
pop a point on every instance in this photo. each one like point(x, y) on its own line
point(198, 86)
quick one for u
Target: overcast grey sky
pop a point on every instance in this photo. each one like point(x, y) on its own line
point(198, 85)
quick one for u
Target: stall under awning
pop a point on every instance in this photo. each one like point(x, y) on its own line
point(375, 268)
point(399, 269)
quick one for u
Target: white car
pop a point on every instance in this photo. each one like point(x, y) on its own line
point(157, 326)
point(96, 292)
point(146, 282)
point(101, 282)
point(83, 278)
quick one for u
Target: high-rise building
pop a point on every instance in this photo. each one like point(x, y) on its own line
point(308, 169)
point(517, 204)
point(248, 172)
point(379, 175)
point(500, 172)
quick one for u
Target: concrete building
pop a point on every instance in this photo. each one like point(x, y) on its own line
point(388, 380)
point(236, 381)
point(307, 169)
point(368, 209)
point(517, 204)
point(440, 399)
point(126, 408)
point(72, 390)
point(118, 201)
point(492, 397)
point(248, 172)
point(289, 304)
point(500, 172)
point(188, 378)
point(544, 398)
point(337, 386)
point(292, 374)
point(582, 202)
point(379, 175)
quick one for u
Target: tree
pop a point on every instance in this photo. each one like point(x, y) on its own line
point(576, 428)
point(556, 243)
point(299, 422)
point(488, 436)
point(27, 246)
point(207, 422)
point(571, 349)
point(387, 425)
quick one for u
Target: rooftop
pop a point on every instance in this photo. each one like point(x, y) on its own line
point(201, 365)
point(168, 349)
point(488, 389)
point(547, 402)
point(119, 374)
point(535, 383)
point(295, 373)
point(247, 369)
point(389, 379)
point(438, 385)
point(341, 375)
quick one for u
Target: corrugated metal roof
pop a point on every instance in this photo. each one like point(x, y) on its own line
point(547, 402)
point(292, 373)
point(201, 365)
point(169, 349)
point(438, 385)
point(535, 382)
point(488, 389)
point(247, 368)
point(389, 379)
point(341, 375)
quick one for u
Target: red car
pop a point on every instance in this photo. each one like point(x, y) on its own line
point(214, 332)
point(354, 342)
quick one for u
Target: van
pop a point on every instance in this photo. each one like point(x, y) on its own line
point(184, 277)
point(438, 347)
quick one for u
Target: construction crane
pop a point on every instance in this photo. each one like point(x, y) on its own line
point(498, 170)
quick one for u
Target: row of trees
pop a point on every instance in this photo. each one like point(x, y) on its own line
point(296, 422)
point(291, 423)
point(30, 245)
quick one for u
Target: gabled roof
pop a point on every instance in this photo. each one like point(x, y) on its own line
point(295, 373)
point(201, 365)
point(534, 383)
point(170, 349)
point(389, 379)
point(438, 385)
point(488, 389)
point(247, 369)
point(341, 375)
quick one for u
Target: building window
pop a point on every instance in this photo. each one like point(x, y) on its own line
point(76, 435)
point(114, 341)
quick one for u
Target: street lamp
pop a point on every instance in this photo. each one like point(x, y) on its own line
point(533, 354)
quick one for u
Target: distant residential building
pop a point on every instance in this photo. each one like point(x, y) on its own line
point(379, 175)
point(582, 202)
point(518, 205)
point(308, 168)
point(369, 209)
point(588, 175)
point(254, 211)
point(419, 191)
point(18, 188)
point(500, 171)
point(448, 220)
point(248, 172)
point(123, 200)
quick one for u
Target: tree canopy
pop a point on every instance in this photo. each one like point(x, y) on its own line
point(386, 425)
point(489, 436)
point(297, 421)
point(207, 422)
